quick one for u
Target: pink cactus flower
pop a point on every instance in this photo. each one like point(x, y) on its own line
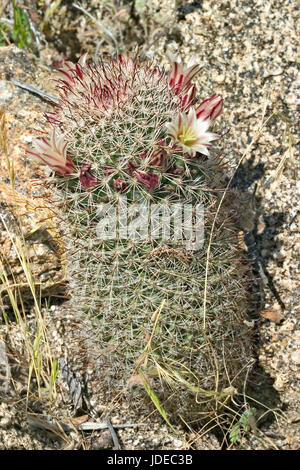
point(87, 179)
point(180, 76)
point(53, 152)
point(210, 108)
point(120, 185)
point(190, 133)
point(149, 180)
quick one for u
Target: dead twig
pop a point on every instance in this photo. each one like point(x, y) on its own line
point(113, 434)
point(90, 426)
point(5, 372)
point(41, 94)
point(103, 28)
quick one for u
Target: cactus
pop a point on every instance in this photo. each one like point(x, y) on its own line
point(129, 138)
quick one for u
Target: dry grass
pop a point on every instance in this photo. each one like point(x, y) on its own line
point(38, 354)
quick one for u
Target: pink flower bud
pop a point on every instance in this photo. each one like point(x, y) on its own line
point(87, 179)
point(157, 158)
point(131, 167)
point(120, 185)
point(188, 99)
point(53, 152)
point(210, 108)
point(180, 76)
point(149, 180)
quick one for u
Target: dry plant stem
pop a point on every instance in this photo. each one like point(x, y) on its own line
point(3, 144)
point(36, 91)
point(89, 426)
point(101, 26)
point(5, 36)
point(113, 434)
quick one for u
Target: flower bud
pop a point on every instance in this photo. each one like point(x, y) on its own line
point(120, 185)
point(210, 108)
point(149, 180)
point(87, 179)
point(53, 152)
point(180, 76)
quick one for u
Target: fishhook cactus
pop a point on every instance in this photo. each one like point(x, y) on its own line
point(126, 133)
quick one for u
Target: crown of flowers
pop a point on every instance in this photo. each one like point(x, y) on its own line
point(102, 88)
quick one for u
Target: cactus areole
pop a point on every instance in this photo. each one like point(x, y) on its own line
point(139, 186)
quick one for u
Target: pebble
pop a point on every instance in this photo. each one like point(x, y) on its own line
point(295, 357)
point(177, 443)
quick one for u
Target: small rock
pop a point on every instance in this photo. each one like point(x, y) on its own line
point(295, 357)
point(272, 315)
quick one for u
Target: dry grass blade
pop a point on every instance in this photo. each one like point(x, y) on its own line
point(5, 36)
point(3, 144)
point(101, 26)
point(156, 401)
point(154, 318)
point(38, 351)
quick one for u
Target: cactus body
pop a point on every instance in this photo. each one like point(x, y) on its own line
point(129, 137)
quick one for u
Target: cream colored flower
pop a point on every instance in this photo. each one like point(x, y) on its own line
point(190, 133)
